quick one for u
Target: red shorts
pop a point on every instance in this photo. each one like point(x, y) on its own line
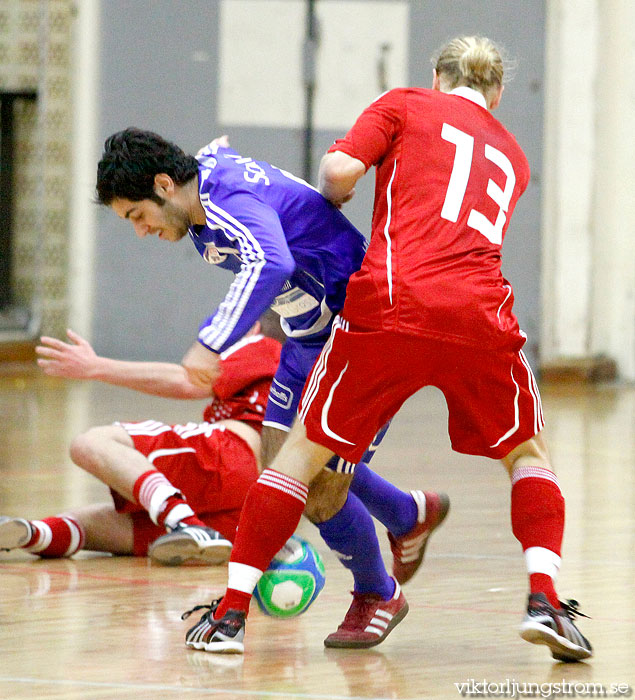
point(211, 466)
point(362, 378)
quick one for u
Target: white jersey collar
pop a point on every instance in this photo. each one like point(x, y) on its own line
point(470, 94)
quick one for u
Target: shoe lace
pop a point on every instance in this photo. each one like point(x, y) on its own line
point(571, 608)
point(210, 608)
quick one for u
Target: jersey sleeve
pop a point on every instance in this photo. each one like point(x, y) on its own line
point(373, 132)
point(254, 230)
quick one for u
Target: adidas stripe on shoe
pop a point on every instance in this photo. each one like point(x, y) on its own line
point(369, 620)
point(190, 543)
point(224, 636)
point(544, 624)
point(409, 549)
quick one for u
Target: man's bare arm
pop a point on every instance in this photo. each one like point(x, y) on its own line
point(78, 360)
point(338, 175)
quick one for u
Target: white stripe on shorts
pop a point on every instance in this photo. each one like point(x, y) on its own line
point(539, 421)
point(344, 467)
point(168, 452)
point(146, 427)
point(318, 372)
point(516, 425)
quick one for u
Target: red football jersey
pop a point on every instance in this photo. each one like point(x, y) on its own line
point(242, 389)
point(448, 176)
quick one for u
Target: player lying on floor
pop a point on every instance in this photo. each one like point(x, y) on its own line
point(162, 478)
point(189, 480)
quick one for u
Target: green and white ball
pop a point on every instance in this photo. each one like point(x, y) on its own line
point(293, 580)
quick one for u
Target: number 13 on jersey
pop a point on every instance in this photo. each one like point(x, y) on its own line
point(459, 177)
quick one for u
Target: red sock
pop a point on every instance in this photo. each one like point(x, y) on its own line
point(165, 504)
point(538, 524)
point(269, 516)
point(59, 536)
point(234, 599)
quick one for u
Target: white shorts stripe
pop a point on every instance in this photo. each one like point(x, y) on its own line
point(509, 292)
point(320, 367)
point(533, 390)
point(516, 425)
point(148, 427)
point(343, 467)
point(326, 429)
point(168, 452)
point(318, 372)
point(193, 429)
point(541, 419)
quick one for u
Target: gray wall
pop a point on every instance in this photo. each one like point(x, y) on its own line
point(150, 295)
point(159, 66)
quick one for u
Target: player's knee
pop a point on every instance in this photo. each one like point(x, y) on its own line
point(327, 495)
point(85, 446)
point(80, 447)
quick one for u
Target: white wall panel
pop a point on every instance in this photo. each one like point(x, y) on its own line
point(613, 309)
point(352, 35)
point(569, 171)
point(261, 62)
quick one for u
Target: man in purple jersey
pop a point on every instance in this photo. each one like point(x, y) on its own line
point(293, 250)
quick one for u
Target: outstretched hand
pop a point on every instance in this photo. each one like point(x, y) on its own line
point(74, 360)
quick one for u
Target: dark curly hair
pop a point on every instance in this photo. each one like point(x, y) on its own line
point(130, 161)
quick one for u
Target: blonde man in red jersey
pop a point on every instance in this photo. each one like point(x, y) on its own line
point(448, 176)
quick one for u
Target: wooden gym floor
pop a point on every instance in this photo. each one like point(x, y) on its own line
point(97, 627)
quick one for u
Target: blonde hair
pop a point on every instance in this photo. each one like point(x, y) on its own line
point(473, 61)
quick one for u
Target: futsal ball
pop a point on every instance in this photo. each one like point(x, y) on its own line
point(293, 580)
